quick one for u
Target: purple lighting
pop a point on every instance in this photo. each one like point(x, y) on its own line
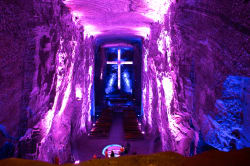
point(78, 92)
point(171, 75)
point(158, 9)
point(158, 79)
point(90, 30)
point(77, 162)
point(114, 147)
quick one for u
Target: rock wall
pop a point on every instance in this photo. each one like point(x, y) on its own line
point(188, 63)
point(165, 115)
point(195, 77)
point(208, 50)
point(14, 88)
point(51, 58)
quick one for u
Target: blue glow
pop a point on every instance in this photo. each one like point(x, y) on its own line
point(113, 50)
point(123, 49)
point(231, 123)
point(112, 145)
point(127, 81)
point(92, 96)
point(110, 86)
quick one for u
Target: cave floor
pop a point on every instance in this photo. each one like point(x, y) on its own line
point(85, 147)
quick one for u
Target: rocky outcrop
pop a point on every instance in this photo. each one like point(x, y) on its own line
point(229, 124)
point(209, 50)
point(195, 77)
point(201, 52)
point(13, 44)
point(51, 58)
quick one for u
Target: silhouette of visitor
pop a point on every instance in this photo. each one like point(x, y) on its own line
point(7, 150)
point(56, 160)
point(122, 151)
point(127, 148)
point(112, 154)
point(106, 153)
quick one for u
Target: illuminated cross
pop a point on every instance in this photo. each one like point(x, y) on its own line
point(119, 63)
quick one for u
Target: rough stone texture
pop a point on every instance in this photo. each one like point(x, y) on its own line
point(14, 43)
point(196, 50)
point(40, 61)
point(208, 50)
point(111, 16)
point(165, 113)
point(229, 124)
point(195, 75)
point(62, 50)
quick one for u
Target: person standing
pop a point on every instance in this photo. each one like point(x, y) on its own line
point(112, 154)
point(56, 160)
point(94, 156)
point(106, 153)
point(122, 151)
point(127, 148)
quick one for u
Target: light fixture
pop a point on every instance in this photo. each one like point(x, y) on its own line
point(77, 162)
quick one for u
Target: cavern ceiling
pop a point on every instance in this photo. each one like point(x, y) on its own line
point(117, 16)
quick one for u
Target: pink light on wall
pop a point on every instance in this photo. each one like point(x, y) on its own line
point(161, 42)
point(61, 55)
point(145, 61)
point(90, 30)
point(68, 80)
point(47, 121)
point(76, 17)
point(167, 84)
point(168, 48)
point(147, 92)
point(91, 77)
point(78, 92)
point(158, 86)
point(147, 98)
point(142, 31)
point(150, 101)
point(87, 88)
point(61, 81)
point(157, 9)
point(86, 104)
point(65, 99)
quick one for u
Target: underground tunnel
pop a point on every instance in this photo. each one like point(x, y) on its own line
point(83, 79)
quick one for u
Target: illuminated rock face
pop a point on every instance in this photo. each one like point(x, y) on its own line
point(195, 74)
point(208, 44)
point(69, 89)
point(12, 45)
point(230, 123)
point(50, 63)
point(165, 115)
point(208, 50)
